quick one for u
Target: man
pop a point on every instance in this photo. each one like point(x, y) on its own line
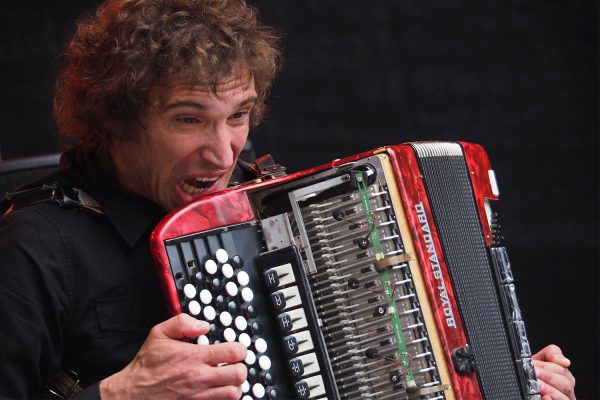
point(159, 97)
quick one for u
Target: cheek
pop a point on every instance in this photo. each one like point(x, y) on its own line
point(239, 141)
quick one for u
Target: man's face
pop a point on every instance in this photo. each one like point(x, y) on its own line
point(189, 142)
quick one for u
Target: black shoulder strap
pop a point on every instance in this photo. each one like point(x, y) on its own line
point(62, 195)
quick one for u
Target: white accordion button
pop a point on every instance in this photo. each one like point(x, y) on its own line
point(260, 345)
point(244, 339)
point(211, 267)
point(225, 318)
point(194, 307)
point(229, 335)
point(245, 388)
point(202, 340)
point(264, 362)
point(250, 358)
point(247, 294)
point(227, 270)
point(231, 288)
point(240, 323)
point(209, 313)
point(222, 256)
point(258, 391)
point(205, 296)
point(189, 290)
point(243, 278)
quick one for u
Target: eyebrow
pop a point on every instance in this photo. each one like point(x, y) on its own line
point(200, 106)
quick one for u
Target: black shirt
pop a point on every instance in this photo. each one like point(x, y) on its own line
point(77, 291)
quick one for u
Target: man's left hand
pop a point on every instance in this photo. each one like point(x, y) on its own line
point(554, 378)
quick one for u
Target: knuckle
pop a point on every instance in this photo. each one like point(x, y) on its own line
point(182, 319)
point(241, 374)
point(554, 348)
point(233, 392)
point(240, 352)
point(193, 379)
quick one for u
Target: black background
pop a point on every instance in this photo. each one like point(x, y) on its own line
point(518, 77)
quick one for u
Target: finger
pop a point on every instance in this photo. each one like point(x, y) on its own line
point(223, 392)
point(221, 353)
point(550, 393)
point(562, 382)
point(554, 368)
point(552, 353)
point(228, 375)
point(178, 327)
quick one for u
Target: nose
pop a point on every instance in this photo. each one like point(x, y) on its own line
point(219, 151)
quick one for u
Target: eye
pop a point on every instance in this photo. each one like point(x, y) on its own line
point(188, 120)
point(239, 115)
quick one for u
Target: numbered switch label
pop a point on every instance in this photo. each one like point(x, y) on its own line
point(310, 387)
point(292, 320)
point(287, 298)
point(298, 343)
point(279, 276)
point(304, 365)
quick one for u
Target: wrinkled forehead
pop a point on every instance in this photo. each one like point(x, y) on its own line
point(236, 83)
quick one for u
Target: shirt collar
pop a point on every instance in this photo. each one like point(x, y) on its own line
point(131, 214)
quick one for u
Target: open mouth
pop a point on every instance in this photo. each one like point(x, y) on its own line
point(197, 185)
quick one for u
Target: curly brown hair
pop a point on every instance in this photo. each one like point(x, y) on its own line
point(131, 46)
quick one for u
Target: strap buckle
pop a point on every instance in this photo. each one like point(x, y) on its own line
point(65, 384)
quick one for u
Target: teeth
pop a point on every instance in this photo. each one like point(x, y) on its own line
point(207, 179)
point(190, 189)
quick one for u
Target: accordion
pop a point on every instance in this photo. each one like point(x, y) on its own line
point(382, 276)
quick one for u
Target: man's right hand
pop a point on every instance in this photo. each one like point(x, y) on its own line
point(167, 367)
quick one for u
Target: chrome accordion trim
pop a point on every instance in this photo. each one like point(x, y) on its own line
point(437, 149)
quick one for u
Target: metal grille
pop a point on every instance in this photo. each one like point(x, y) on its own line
point(449, 190)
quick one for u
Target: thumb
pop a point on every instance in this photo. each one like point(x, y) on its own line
point(178, 327)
